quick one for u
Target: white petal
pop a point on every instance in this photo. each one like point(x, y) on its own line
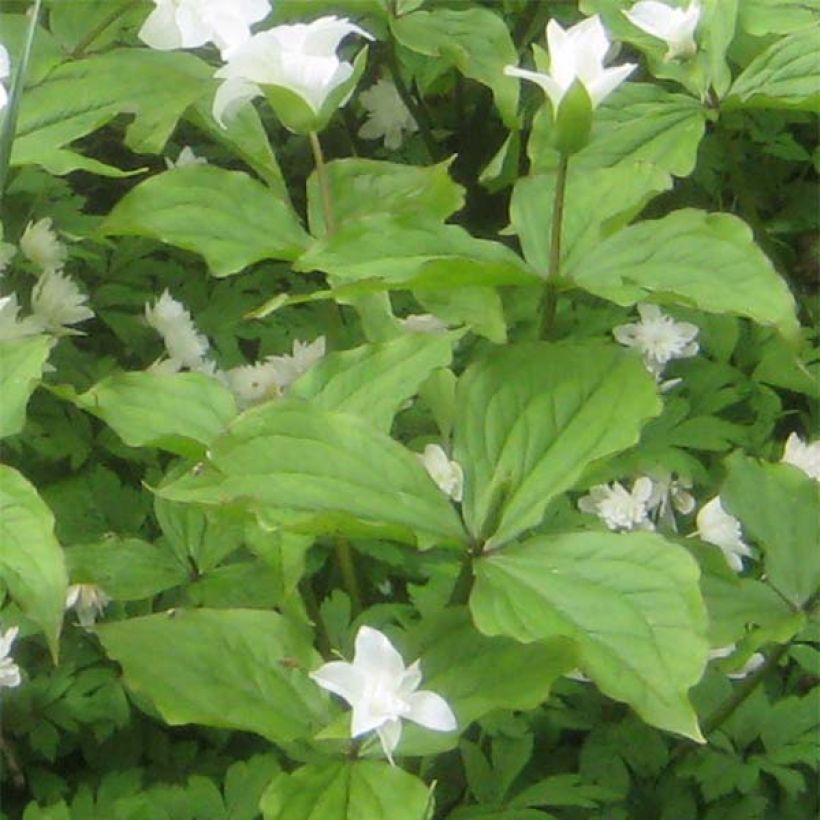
point(160, 30)
point(431, 711)
point(342, 679)
point(230, 95)
point(551, 88)
point(389, 735)
point(376, 656)
point(607, 81)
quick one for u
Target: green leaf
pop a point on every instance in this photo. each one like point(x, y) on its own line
point(230, 669)
point(374, 381)
point(777, 506)
point(762, 18)
point(290, 456)
point(475, 40)
point(21, 365)
point(532, 417)
point(360, 187)
point(32, 566)
point(245, 783)
point(630, 601)
point(127, 569)
point(344, 790)
point(786, 75)
point(225, 216)
point(709, 261)
point(406, 252)
point(178, 412)
point(639, 122)
point(597, 203)
point(481, 309)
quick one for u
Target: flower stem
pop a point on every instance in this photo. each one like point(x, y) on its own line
point(324, 182)
point(344, 557)
point(314, 613)
point(550, 298)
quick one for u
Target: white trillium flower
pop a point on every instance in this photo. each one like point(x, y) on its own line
point(88, 601)
point(185, 159)
point(716, 526)
point(10, 326)
point(300, 58)
point(56, 302)
point(5, 70)
point(448, 475)
point(192, 23)
point(186, 346)
point(658, 337)
point(576, 54)
point(423, 323)
point(39, 243)
point(387, 115)
point(676, 27)
point(804, 456)
point(383, 692)
point(9, 671)
point(619, 508)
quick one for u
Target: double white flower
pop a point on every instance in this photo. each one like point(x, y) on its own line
point(387, 115)
point(805, 456)
point(676, 27)
point(576, 54)
point(9, 671)
point(40, 245)
point(620, 509)
point(88, 601)
point(383, 692)
point(716, 526)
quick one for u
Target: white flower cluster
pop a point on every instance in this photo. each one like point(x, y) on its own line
point(387, 115)
point(189, 349)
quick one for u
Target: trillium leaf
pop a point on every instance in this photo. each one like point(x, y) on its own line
point(365, 186)
point(32, 566)
point(344, 790)
point(630, 601)
point(786, 75)
point(532, 417)
point(597, 203)
point(179, 412)
point(21, 365)
point(229, 668)
point(331, 468)
point(225, 216)
point(707, 260)
point(374, 381)
point(476, 41)
point(777, 508)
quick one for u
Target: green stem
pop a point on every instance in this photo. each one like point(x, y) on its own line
point(531, 24)
point(324, 183)
point(315, 615)
point(79, 49)
point(464, 584)
point(344, 557)
point(550, 297)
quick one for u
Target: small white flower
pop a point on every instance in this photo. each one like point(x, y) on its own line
point(186, 158)
point(423, 323)
point(39, 243)
point(88, 601)
point(447, 474)
point(805, 457)
point(751, 665)
point(10, 326)
point(383, 692)
point(9, 671)
point(576, 54)
point(578, 676)
point(251, 383)
point(387, 115)
point(56, 302)
point(186, 346)
point(5, 70)
point(658, 337)
point(618, 508)
point(287, 369)
point(668, 494)
point(299, 57)
point(716, 526)
point(674, 26)
point(192, 23)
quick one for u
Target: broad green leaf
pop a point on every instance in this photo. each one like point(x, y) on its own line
point(290, 456)
point(709, 261)
point(346, 790)
point(365, 186)
point(80, 96)
point(245, 783)
point(225, 216)
point(777, 507)
point(230, 669)
point(786, 75)
point(630, 601)
point(480, 309)
point(21, 365)
point(762, 18)
point(127, 569)
point(639, 122)
point(32, 566)
point(375, 380)
point(530, 419)
point(477, 41)
point(179, 412)
point(596, 204)
point(406, 252)
point(716, 31)
point(46, 53)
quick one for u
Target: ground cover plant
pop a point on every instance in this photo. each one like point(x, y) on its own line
point(408, 409)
